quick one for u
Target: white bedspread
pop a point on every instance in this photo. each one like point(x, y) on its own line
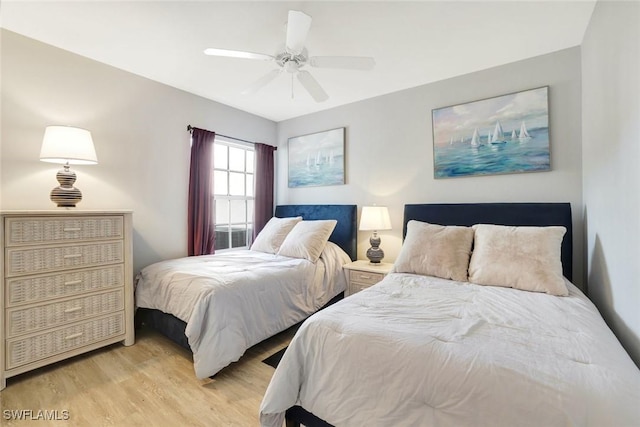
point(422, 351)
point(234, 300)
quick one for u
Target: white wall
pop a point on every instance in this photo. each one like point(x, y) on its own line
point(139, 128)
point(611, 156)
point(389, 148)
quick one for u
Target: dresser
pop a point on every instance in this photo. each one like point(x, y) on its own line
point(67, 285)
point(362, 274)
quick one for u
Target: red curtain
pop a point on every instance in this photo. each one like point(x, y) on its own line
point(201, 228)
point(263, 209)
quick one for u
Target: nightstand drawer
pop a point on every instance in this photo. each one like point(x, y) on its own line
point(365, 277)
point(30, 231)
point(357, 287)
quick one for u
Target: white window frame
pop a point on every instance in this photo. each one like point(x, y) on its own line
point(248, 223)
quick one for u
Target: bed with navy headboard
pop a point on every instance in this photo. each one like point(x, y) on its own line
point(421, 350)
point(344, 235)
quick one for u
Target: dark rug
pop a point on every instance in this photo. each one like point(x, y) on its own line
point(274, 359)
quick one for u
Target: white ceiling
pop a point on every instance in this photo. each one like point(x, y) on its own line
point(413, 43)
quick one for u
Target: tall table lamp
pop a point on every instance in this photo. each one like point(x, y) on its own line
point(375, 218)
point(67, 145)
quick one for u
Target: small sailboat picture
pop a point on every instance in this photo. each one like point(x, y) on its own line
point(513, 135)
point(524, 134)
point(498, 134)
point(475, 139)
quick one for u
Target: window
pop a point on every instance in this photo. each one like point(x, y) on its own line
point(233, 169)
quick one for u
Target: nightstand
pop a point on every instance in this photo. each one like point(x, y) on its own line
point(362, 274)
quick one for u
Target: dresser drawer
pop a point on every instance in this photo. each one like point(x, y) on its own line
point(364, 277)
point(357, 287)
point(23, 290)
point(21, 261)
point(43, 316)
point(33, 230)
point(21, 351)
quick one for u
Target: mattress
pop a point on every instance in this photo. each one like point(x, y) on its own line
point(423, 351)
point(234, 300)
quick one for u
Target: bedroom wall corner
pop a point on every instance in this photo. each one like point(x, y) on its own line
point(139, 128)
point(611, 176)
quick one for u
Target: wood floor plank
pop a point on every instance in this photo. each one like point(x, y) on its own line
point(151, 383)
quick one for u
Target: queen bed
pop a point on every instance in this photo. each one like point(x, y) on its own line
point(218, 306)
point(429, 347)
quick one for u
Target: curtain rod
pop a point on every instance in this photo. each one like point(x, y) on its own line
point(190, 129)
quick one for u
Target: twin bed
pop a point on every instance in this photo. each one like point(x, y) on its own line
point(218, 306)
point(421, 350)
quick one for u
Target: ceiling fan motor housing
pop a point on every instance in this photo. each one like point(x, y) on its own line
point(292, 63)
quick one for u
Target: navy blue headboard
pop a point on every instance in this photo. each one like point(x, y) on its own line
point(344, 235)
point(523, 214)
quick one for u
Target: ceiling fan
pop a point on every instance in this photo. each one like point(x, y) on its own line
point(295, 57)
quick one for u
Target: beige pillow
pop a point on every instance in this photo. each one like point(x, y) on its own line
point(273, 234)
point(435, 250)
point(526, 258)
point(307, 239)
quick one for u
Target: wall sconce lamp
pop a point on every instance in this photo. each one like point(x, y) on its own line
point(67, 145)
point(375, 218)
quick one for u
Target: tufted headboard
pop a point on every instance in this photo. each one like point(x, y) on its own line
point(523, 214)
point(344, 235)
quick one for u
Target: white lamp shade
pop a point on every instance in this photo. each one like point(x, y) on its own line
point(62, 144)
point(375, 218)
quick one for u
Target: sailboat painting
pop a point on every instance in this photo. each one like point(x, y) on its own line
point(500, 135)
point(317, 159)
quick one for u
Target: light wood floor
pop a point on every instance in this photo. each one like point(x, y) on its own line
point(151, 383)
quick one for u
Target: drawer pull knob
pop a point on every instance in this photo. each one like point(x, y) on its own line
point(362, 276)
point(73, 282)
point(72, 336)
point(73, 256)
point(72, 229)
point(72, 310)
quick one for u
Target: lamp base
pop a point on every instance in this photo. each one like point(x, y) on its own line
point(66, 195)
point(374, 253)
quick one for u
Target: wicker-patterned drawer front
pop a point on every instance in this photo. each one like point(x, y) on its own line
point(21, 351)
point(40, 260)
point(365, 277)
point(23, 290)
point(39, 317)
point(27, 231)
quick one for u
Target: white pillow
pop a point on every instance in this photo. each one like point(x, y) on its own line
point(435, 250)
point(307, 239)
point(273, 234)
point(526, 258)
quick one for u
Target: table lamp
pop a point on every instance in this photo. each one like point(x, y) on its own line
point(67, 145)
point(375, 218)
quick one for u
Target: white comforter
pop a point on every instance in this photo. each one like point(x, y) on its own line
point(235, 300)
point(422, 351)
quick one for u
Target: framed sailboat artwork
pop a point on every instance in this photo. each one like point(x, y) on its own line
point(317, 159)
point(500, 135)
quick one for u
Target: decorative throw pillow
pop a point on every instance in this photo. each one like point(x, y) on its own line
point(526, 258)
point(307, 239)
point(435, 250)
point(273, 234)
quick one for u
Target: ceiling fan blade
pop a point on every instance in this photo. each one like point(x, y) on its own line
point(312, 86)
point(261, 82)
point(345, 62)
point(237, 54)
point(298, 26)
